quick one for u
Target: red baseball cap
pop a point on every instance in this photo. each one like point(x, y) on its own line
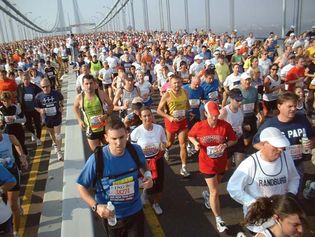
point(212, 108)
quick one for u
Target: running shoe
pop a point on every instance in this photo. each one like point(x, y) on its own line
point(59, 156)
point(38, 142)
point(183, 171)
point(33, 138)
point(157, 209)
point(55, 147)
point(241, 234)
point(166, 155)
point(221, 226)
point(206, 195)
point(15, 234)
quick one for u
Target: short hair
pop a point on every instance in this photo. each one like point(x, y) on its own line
point(6, 95)
point(287, 96)
point(114, 124)
point(145, 108)
point(88, 77)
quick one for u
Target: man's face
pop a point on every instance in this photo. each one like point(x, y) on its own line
point(271, 153)
point(287, 109)
point(176, 84)
point(117, 139)
point(45, 85)
point(88, 85)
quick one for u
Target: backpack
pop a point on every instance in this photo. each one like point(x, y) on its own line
point(99, 159)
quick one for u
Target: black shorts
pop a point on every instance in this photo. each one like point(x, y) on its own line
point(16, 173)
point(158, 183)
point(54, 121)
point(209, 176)
point(239, 147)
point(131, 226)
point(252, 122)
point(6, 227)
point(96, 135)
point(65, 60)
point(106, 86)
point(68, 51)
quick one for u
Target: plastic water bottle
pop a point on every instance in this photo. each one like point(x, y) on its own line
point(309, 189)
point(304, 140)
point(111, 221)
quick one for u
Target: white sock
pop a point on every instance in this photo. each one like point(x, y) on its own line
point(183, 165)
point(218, 218)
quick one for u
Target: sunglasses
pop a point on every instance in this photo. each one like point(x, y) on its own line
point(274, 69)
point(45, 86)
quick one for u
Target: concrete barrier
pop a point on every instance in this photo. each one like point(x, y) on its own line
point(77, 218)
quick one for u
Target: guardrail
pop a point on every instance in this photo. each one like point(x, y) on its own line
point(77, 219)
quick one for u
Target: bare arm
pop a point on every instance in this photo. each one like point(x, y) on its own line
point(76, 109)
point(162, 105)
point(19, 149)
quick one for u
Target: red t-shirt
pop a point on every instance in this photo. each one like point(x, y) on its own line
point(293, 74)
point(8, 85)
point(209, 137)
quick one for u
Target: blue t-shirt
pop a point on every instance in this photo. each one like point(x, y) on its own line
point(293, 130)
point(5, 176)
point(122, 191)
point(194, 96)
point(50, 103)
point(211, 90)
point(6, 154)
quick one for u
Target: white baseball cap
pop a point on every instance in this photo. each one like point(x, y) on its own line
point(274, 137)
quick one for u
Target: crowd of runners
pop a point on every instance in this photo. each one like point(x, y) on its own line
point(220, 96)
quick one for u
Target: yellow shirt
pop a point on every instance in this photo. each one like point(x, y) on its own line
point(177, 104)
point(223, 71)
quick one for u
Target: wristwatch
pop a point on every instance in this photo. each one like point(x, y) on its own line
point(94, 207)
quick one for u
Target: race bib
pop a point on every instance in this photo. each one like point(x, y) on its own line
point(51, 111)
point(179, 113)
point(213, 95)
point(248, 108)
point(194, 103)
point(295, 151)
point(212, 152)
point(107, 79)
point(28, 97)
point(122, 190)
point(96, 122)
point(150, 150)
point(9, 119)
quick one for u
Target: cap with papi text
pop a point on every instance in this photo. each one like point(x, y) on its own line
point(274, 137)
point(212, 108)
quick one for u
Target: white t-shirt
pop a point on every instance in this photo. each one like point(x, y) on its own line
point(149, 140)
point(232, 81)
point(264, 64)
point(284, 71)
point(112, 62)
point(106, 74)
point(256, 177)
point(5, 212)
point(144, 89)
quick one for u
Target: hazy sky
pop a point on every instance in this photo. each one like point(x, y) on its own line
point(259, 16)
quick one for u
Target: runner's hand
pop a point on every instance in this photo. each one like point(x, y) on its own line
point(197, 146)
point(103, 212)
point(24, 162)
point(147, 183)
point(82, 125)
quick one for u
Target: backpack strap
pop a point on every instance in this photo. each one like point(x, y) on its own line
point(255, 168)
point(99, 162)
point(99, 159)
point(132, 150)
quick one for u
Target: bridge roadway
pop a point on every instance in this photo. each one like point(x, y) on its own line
point(52, 206)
